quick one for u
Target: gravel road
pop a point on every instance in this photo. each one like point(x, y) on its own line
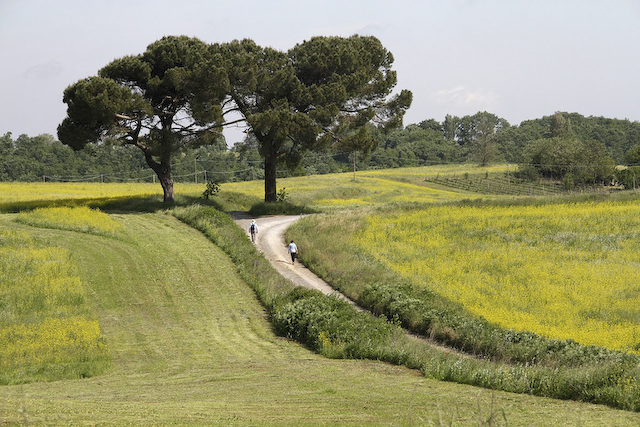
point(270, 241)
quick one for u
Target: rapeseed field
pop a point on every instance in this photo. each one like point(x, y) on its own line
point(27, 191)
point(47, 330)
point(14, 192)
point(565, 270)
point(81, 218)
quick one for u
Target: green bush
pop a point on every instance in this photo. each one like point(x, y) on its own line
point(629, 178)
point(279, 208)
point(212, 189)
point(333, 328)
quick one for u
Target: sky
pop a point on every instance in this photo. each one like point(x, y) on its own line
point(518, 59)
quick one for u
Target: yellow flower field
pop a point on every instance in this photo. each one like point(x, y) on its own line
point(82, 218)
point(51, 341)
point(44, 319)
point(27, 191)
point(11, 192)
point(339, 190)
point(561, 270)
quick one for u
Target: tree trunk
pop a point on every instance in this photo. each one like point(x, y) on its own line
point(167, 187)
point(163, 171)
point(270, 179)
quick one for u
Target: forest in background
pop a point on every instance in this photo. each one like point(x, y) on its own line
point(561, 146)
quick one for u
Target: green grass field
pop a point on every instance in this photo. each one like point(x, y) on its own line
point(190, 344)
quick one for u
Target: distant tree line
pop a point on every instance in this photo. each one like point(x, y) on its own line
point(43, 158)
point(564, 146)
point(567, 147)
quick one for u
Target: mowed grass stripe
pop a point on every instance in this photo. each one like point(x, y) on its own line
point(173, 312)
point(181, 289)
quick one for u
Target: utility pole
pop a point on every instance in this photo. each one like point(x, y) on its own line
point(354, 166)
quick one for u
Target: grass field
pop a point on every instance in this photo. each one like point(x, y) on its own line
point(190, 345)
point(561, 270)
point(340, 191)
point(418, 185)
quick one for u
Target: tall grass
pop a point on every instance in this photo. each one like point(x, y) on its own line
point(47, 331)
point(524, 361)
point(82, 219)
point(564, 271)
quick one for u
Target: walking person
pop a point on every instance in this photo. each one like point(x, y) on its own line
point(293, 250)
point(253, 230)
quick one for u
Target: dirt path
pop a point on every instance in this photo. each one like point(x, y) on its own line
point(270, 241)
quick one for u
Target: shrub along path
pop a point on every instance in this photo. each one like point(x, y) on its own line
point(270, 241)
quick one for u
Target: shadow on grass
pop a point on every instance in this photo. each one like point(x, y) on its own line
point(279, 208)
point(122, 204)
point(226, 202)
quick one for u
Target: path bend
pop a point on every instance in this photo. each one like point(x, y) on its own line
point(271, 242)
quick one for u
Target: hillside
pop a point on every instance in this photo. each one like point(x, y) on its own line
point(191, 345)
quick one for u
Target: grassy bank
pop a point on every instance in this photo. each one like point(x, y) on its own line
point(526, 361)
point(191, 345)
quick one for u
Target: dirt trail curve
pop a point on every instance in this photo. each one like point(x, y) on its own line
point(270, 241)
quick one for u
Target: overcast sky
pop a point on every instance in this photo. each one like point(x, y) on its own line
point(518, 59)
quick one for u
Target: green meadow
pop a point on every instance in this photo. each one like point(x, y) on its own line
point(171, 317)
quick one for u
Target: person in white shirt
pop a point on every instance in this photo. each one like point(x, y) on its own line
point(253, 229)
point(293, 250)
